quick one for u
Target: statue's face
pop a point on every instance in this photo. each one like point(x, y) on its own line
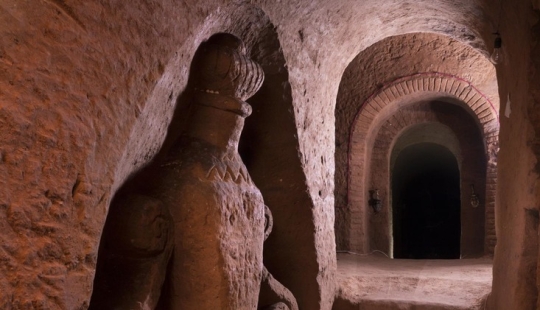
point(222, 66)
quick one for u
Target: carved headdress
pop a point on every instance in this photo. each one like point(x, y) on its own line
point(221, 67)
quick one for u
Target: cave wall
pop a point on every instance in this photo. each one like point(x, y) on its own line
point(88, 91)
point(516, 255)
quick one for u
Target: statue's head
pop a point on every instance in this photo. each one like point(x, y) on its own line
point(222, 67)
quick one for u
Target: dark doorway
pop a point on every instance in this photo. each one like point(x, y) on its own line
point(426, 203)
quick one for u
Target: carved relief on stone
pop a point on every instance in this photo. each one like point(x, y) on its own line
point(218, 212)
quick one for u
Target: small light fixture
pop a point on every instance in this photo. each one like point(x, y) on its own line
point(374, 200)
point(497, 54)
point(475, 201)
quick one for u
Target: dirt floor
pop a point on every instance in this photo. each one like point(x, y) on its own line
point(377, 282)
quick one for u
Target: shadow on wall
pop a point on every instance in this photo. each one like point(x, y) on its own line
point(269, 149)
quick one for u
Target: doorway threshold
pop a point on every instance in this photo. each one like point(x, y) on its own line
point(374, 282)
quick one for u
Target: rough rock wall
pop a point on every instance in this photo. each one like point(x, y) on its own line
point(87, 91)
point(75, 83)
point(534, 114)
point(384, 62)
point(516, 255)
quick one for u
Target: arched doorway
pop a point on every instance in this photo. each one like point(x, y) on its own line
point(426, 203)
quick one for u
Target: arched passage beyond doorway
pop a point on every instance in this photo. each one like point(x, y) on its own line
point(426, 203)
point(367, 98)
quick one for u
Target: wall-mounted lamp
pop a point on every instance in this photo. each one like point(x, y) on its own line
point(475, 201)
point(374, 200)
point(497, 54)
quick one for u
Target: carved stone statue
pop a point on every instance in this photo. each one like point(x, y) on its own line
point(218, 212)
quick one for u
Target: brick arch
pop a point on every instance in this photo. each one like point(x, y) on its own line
point(384, 104)
point(463, 140)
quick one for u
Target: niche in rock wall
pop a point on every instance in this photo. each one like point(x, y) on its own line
point(188, 231)
point(269, 148)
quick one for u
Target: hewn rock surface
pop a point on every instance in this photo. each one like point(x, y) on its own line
point(88, 91)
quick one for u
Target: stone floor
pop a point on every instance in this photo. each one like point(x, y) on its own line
point(379, 283)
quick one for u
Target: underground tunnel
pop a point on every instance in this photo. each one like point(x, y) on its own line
point(90, 91)
point(426, 203)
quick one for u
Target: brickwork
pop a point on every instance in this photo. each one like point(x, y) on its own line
point(467, 148)
point(382, 107)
